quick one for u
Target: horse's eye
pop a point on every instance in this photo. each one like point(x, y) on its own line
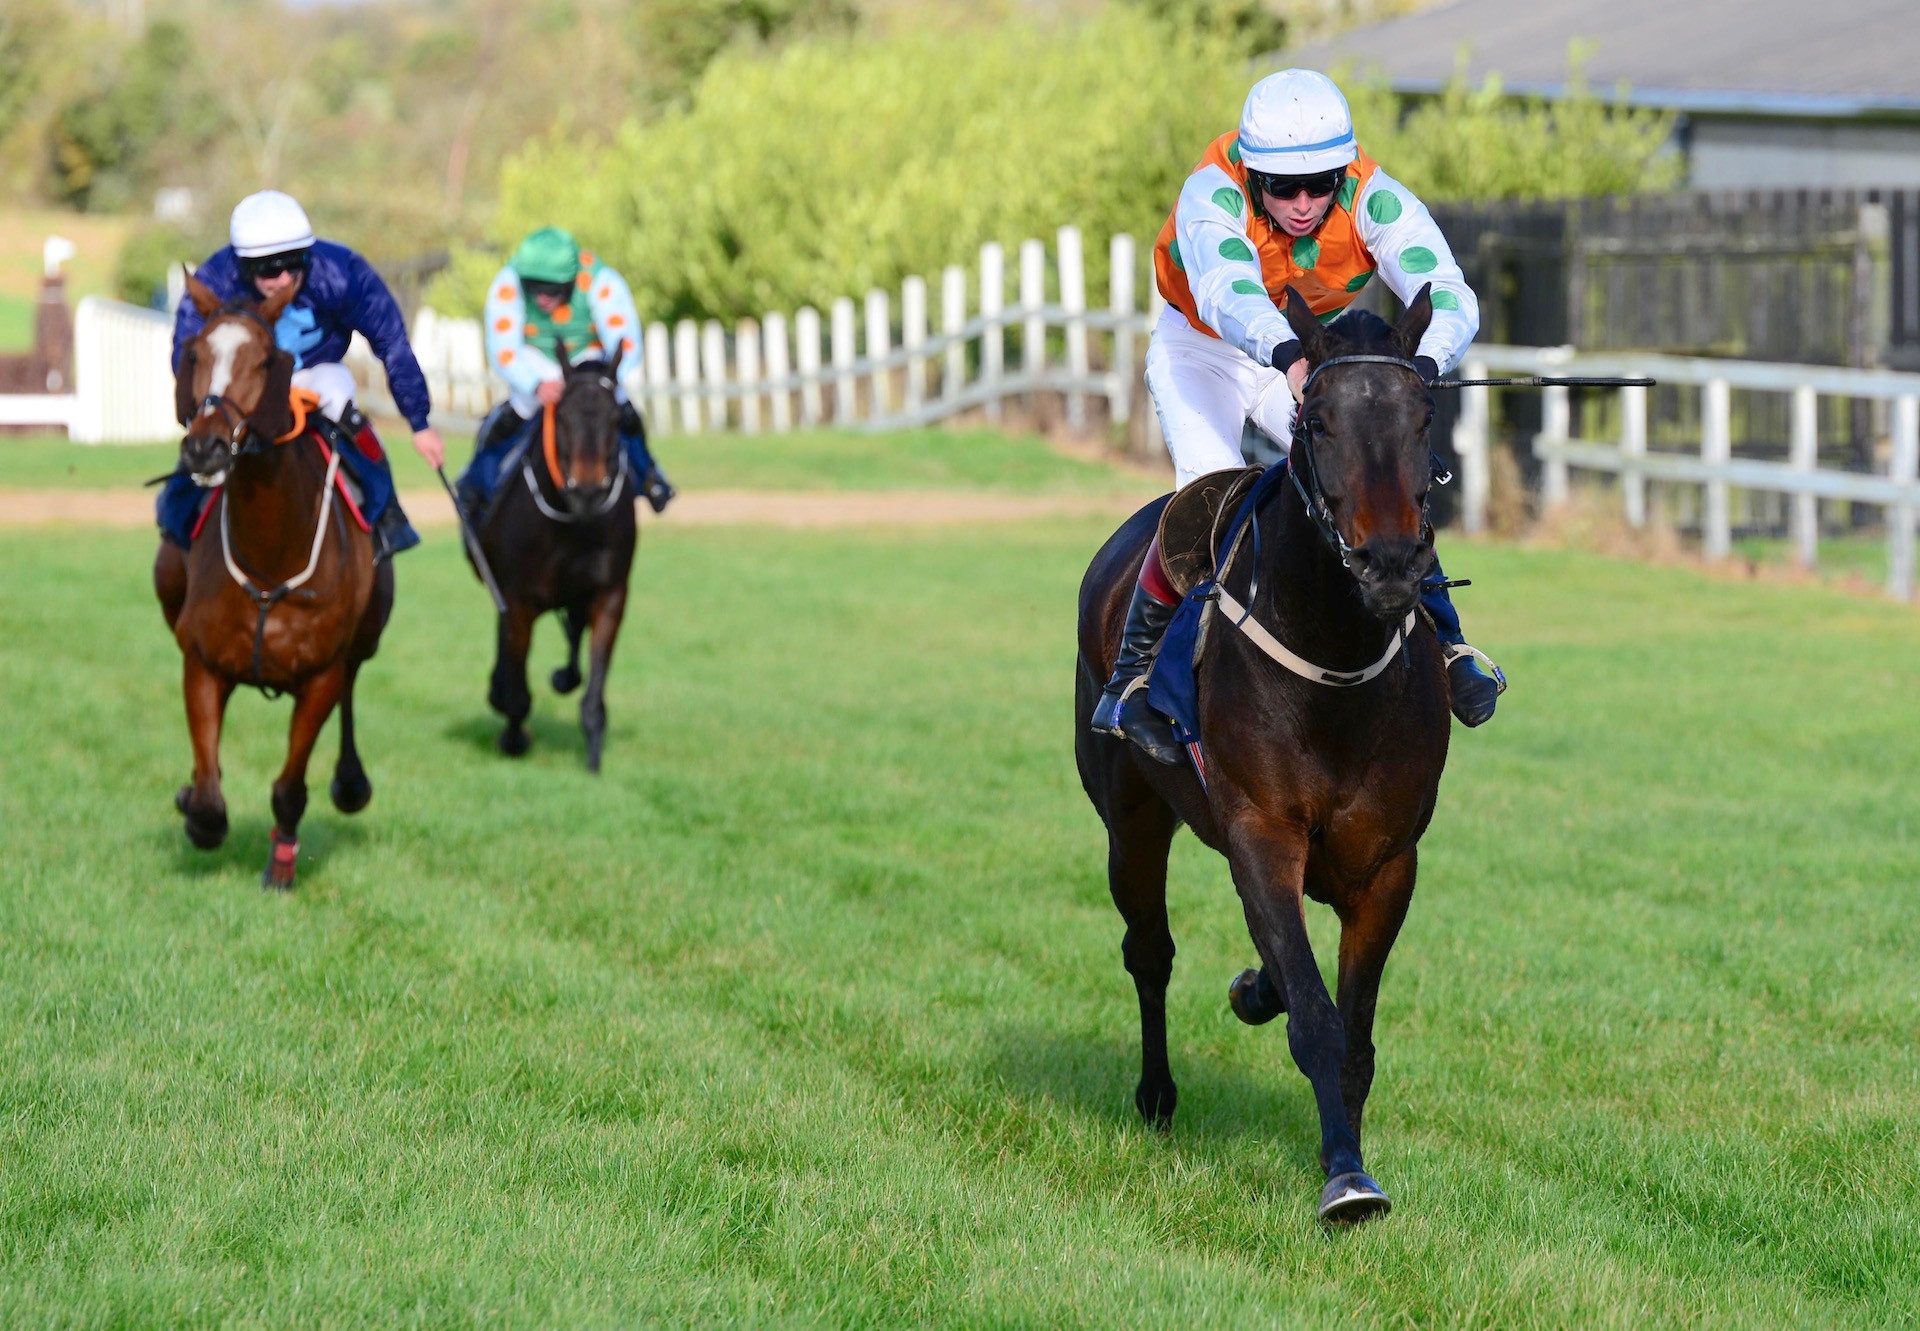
point(1316, 425)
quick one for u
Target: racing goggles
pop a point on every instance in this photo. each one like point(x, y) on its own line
point(1317, 186)
point(272, 265)
point(559, 291)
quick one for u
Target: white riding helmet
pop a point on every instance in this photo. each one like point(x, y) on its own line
point(1296, 123)
point(269, 223)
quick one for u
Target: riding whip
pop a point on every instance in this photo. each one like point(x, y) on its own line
point(473, 543)
point(1546, 381)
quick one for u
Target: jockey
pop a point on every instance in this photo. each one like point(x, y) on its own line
point(273, 246)
point(1289, 199)
point(549, 294)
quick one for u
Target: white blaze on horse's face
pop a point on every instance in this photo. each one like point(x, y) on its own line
point(225, 342)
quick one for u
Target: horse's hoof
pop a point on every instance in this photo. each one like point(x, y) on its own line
point(1156, 1103)
point(206, 832)
point(515, 741)
point(1249, 1003)
point(1349, 1199)
point(351, 794)
point(281, 861)
point(566, 679)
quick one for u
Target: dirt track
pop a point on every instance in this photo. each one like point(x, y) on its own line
point(765, 508)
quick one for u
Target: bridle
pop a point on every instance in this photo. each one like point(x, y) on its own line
point(1301, 458)
point(241, 437)
point(562, 483)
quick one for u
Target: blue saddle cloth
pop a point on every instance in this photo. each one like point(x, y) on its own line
point(1174, 690)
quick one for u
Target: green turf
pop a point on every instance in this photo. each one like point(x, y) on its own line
point(810, 1009)
point(16, 323)
point(812, 460)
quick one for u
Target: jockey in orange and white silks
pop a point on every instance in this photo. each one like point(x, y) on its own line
point(553, 295)
point(1288, 199)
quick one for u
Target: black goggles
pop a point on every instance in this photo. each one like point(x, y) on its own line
point(272, 265)
point(1288, 187)
point(558, 290)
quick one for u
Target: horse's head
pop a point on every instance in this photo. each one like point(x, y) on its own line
point(231, 388)
point(1360, 451)
point(587, 432)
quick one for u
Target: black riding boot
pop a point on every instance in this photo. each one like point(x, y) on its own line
point(653, 483)
point(1474, 691)
point(1122, 710)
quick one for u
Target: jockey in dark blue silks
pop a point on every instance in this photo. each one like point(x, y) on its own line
point(549, 294)
point(339, 295)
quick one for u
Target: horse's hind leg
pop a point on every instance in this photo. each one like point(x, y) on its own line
point(567, 678)
point(312, 704)
point(201, 803)
point(508, 693)
point(609, 607)
point(351, 790)
point(1140, 829)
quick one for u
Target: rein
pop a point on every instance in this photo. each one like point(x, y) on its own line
point(265, 601)
point(550, 452)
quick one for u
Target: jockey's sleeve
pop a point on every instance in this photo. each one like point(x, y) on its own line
point(1407, 245)
point(615, 318)
point(377, 317)
point(524, 366)
point(1223, 271)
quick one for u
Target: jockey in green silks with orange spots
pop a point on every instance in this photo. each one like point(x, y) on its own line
point(552, 295)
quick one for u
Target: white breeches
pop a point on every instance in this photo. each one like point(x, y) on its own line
point(332, 384)
point(1205, 392)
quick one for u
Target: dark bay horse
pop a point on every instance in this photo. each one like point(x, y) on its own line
point(561, 536)
point(1310, 790)
point(280, 590)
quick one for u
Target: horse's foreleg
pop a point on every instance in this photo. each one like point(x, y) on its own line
point(567, 678)
point(351, 790)
point(1368, 925)
point(170, 580)
point(508, 693)
point(311, 706)
point(1269, 867)
point(606, 612)
point(202, 804)
point(1138, 835)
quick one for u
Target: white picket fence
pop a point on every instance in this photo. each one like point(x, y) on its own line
point(1710, 469)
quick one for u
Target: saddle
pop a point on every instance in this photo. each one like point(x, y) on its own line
point(1195, 522)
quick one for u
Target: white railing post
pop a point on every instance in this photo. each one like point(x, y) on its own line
point(1903, 470)
point(1120, 373)
point(913, 335)
point(1803, 455)
point(806, 336)
point(773, 329)
point(686, 373)
point(1472, 448)
point(1633, 447)
point(746, 353)
point(1073, 305)
point(658, 347)
point(844, 394)
point(993, 346)
point(953, 317)
point(1716, 450)
point(713, 359)
point(879, 347)
point(1033, 328)
point(1556, 425)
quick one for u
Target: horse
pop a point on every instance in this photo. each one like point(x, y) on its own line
point(1308, 789)
point(284, 594)
point(560, 536)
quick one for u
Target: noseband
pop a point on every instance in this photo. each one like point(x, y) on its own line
point(242, 438)
point(1301, 459)
point(562, 483)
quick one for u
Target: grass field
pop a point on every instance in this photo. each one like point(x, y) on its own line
point(810, 1009)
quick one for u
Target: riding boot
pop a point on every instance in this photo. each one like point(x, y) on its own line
point(1122, 710)
point(478, 482)
point(178, 508)
point(364, 458)
point(1474, 690)
point(652, 482)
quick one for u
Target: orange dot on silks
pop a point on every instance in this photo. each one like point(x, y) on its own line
point(533, 330)
point(563, 314)
point(606, 293)
point(580, 280)
point(506, 355)
point(626, 344)
point(586, 258)
point(616, 321)
point(503, 325)
point(505, 293)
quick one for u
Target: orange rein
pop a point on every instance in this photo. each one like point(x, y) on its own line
point(549, 450)
point(302, 402)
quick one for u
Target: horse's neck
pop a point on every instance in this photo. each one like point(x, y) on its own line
point(1307, 598)
point(272, 502)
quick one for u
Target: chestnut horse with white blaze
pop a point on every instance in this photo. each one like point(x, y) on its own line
point(280, 590)
point(1318, 779)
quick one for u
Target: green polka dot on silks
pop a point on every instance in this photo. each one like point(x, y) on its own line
point(1383, 206)
point(1236, 249)
point(1229, 201)
point(1418, 259)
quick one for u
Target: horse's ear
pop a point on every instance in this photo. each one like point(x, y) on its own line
point(1310, 331)
point(1413, 324)
point(200, 294)
point(273, 306)
point(184, 402)
point(613, 361)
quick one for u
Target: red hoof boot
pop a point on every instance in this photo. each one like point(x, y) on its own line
point(280, 863)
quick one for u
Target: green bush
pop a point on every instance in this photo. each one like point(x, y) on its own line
point(830, 166)
point(140, 273)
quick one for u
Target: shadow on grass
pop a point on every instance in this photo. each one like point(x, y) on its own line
point(1219, 1103)
point(560, 734)
point(244, 852)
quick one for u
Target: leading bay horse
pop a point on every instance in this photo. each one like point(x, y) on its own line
point(1309, 789)
point(281, 590)
point(560, 536)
